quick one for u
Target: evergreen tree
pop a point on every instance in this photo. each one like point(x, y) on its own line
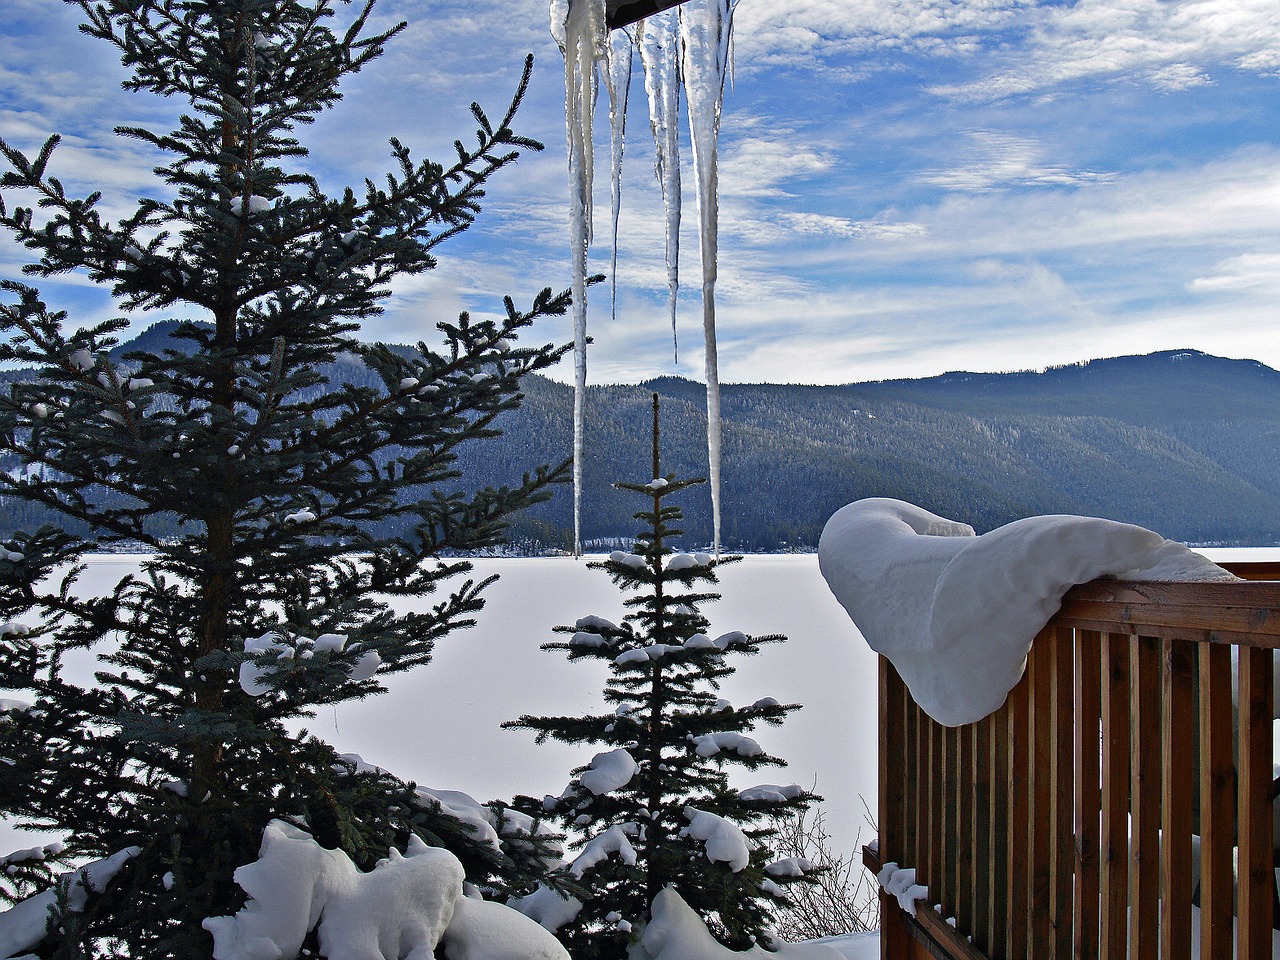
point(654, 808)
point(272, 599)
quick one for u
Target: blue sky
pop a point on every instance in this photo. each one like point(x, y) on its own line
point(907, 188)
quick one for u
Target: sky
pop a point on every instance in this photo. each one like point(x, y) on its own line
point(906, 188)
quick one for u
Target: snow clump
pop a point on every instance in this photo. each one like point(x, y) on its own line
point(956, 613)
point(613, 841)
point(709, 744)
point(609, 771)
point(725, 842)
point(405, 907)
point(676, 932)
point(771, 793)
point(548, 908)
point(790, 867)
point(25, 924)
point(901, 883)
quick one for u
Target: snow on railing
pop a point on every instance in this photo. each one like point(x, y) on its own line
point(1097, 812)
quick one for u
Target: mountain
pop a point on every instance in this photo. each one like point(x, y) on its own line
point(1179, 441)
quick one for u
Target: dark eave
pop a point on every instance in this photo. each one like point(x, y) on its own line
point(620, 13)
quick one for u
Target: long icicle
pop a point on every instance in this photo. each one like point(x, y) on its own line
point(705, 30)
point(659, 53)
point(578, 26)
point(621, 45)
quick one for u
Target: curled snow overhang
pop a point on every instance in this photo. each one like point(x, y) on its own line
point(956, 613)
point(622, 13)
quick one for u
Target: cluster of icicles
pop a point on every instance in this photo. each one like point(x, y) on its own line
point(686, 46)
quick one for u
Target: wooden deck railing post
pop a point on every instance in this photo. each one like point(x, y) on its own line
point(1115, 798)
point(983, 855)
point(1018, 791)
point(1144, 801)
point(1217, 787)
point(1176, 826)
point(1088, 726)
point(1255, 871)
point(891, 811)
point(1063, 824)
point(1040, 668)
point(1062, 791)
point(998, 895)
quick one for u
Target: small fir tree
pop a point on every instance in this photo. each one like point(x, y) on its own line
point(654, 808)
point(300, 503)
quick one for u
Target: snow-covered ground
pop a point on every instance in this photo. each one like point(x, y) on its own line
point(440, 725)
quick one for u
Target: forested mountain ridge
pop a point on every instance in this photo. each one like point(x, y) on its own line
point(1179, 441)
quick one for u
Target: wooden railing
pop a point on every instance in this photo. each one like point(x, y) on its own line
point(1063, 825)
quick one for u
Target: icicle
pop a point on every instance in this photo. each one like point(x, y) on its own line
point(659, 47)
point(619, 81)
point(705, 27)
point(578, 26)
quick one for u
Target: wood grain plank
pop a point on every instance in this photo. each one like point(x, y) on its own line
point(1040, 668)
point(1144, 806)
point(1176, 825)
point(890, 810)
point(1018, 821)
point(1217, 791)
point(998, 927)
point(1256, 874)
point(1088, 792)
point(1114, 866)
point(1062, 790)
point(983, 854)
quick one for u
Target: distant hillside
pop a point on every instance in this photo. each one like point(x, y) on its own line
point(1179, 441)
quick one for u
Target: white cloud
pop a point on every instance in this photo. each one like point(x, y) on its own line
point(817, 224)
point(998, 160)
point(1247, 272)
point(1169, 43)
point(1178, 76)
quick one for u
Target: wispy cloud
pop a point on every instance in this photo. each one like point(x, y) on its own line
point(1247, 272)
point(1171, 44)
point(997, 160)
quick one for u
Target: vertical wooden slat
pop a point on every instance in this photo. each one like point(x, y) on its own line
point(983, 855)
point(998, 897)
point(1040, 667)
point(1144, 807)
point(1017, 821)
point(950, 821)
point(1256, 876)
point(890, 810)
point(1088, 712)
point(1217, 781)
point(1176, 826)
point(913, 787)
point(937, 802)
point(1062, 793)
point(1114, 867)
point(966, 781)
point(889, 799)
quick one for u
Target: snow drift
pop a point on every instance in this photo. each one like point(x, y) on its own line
point(956, 613)
point(406, 906)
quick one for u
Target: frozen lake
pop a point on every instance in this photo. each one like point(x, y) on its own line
point(440, 725)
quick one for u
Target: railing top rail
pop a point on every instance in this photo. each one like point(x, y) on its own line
point(1243, 613)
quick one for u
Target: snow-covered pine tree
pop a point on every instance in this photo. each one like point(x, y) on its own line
point(301, 504)
point(654, 808)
